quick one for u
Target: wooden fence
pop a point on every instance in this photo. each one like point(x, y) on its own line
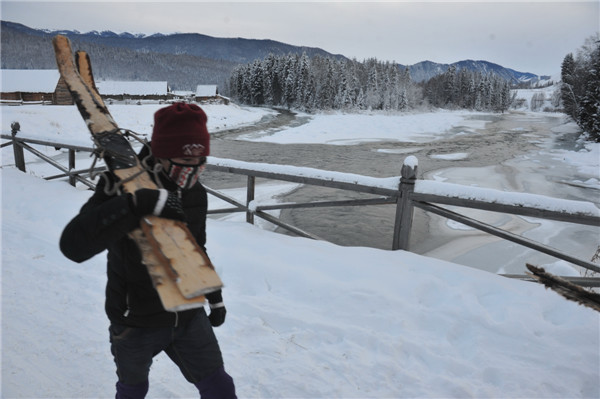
point(404, 192)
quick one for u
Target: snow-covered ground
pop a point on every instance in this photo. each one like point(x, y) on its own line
point(63, 124)
point(306, 319)
point(539, 99)
point(348, 129)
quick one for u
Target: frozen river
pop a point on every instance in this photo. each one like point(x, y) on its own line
point(513, 152)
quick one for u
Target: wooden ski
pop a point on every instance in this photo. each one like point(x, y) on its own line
point(179, 268)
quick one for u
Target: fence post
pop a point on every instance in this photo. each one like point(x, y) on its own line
point(72, 179)
point(404, 206)
point(250, 198)
point(17, 149)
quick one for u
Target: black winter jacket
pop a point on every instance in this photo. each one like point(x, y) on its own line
point(103, 223)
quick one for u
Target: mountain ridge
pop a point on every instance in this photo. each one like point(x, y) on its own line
point(219, 55)
point(425, 70)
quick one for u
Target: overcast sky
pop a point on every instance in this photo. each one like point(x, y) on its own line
point(528, 36)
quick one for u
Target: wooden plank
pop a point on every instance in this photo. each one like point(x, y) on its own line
point(170, 295)
point(177, 248)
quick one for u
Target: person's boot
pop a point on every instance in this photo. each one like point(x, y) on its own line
point(137, 391)
point(218, 385)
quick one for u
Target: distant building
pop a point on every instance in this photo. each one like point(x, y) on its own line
point(34, 86)
point(133, 90)
point(208, 93)
point(47, 86)
point(182, 95)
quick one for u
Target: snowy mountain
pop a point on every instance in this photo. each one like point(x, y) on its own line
point(237, 50)
point(425, 70)
point(27, 48)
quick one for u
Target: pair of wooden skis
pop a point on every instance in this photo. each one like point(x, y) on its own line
point(179, 268)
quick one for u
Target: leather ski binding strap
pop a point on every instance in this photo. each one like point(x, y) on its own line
point(116, 150)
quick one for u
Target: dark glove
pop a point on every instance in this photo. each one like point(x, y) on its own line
point(217, 308)
point(163, 203)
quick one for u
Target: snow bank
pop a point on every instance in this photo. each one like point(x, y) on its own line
point(348, 129)
point(64, 125)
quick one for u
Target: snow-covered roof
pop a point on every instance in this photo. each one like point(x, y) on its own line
point(107, 88)
point(182, 93)
point(29, 80)
point(206, 90)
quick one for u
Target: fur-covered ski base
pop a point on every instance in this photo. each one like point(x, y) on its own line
point(571, 291)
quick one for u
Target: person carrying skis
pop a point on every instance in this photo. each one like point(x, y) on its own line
point(140, 328)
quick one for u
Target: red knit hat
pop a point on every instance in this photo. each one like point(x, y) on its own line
point(180, 131)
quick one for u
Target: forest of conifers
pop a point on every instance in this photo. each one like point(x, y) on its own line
point(322, 83)
point(580, 87)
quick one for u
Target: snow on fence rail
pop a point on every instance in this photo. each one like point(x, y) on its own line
point(404, 191)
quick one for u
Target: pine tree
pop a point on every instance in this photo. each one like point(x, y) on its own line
point(269, 69)
point(310, 100)
point(567, 89)
point(589, 109)
point(289, 81)
point(302, 80)
point(450, 85)
point(403, 101)
point(580, 88)
point(480, 96)
point(256, 83)
point(327, 96)
point(373, 95)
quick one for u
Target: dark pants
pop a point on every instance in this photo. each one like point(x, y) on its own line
point(193, 347)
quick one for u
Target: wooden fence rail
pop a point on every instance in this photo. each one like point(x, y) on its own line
point(20, 144)
point(404, 191)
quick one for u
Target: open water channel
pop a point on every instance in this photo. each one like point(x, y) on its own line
point(509, 152)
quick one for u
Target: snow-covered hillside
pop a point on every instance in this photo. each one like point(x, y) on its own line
point(540, 99)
